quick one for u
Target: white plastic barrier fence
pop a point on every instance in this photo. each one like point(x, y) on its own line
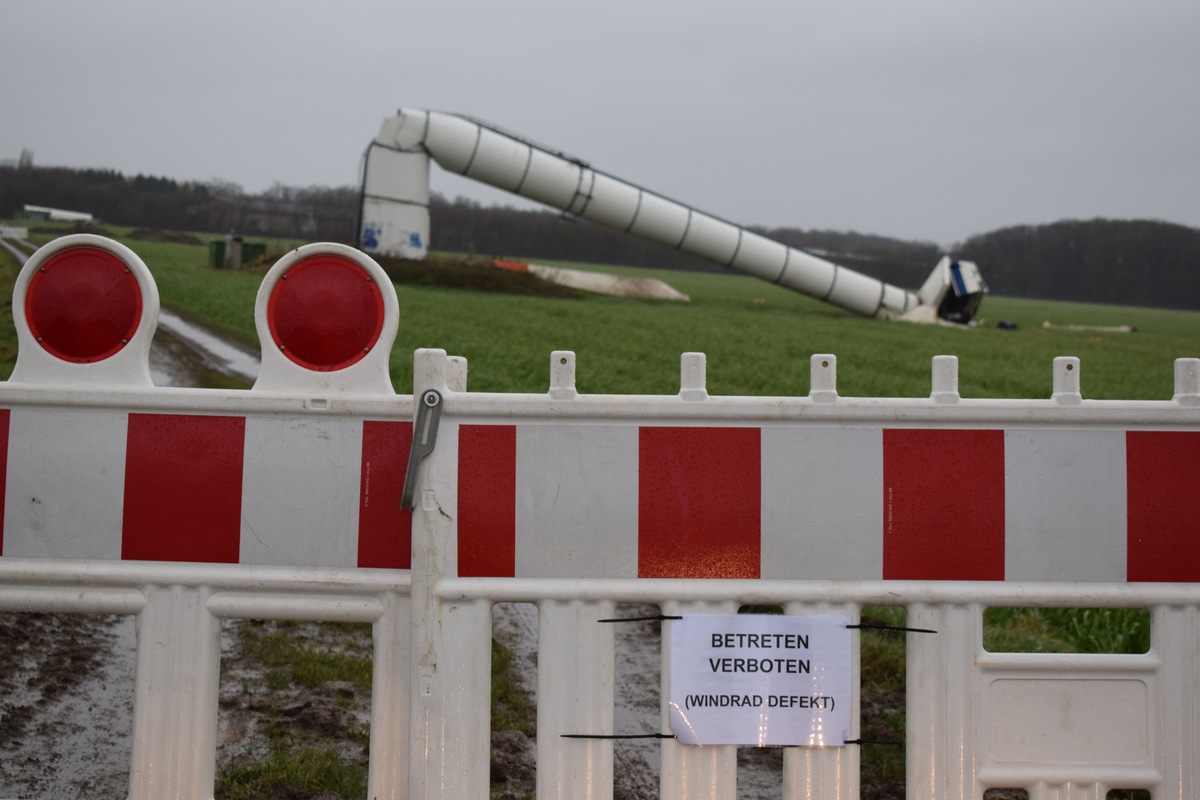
point(821, 504)
point(188, 506)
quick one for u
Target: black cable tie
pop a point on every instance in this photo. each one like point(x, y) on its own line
point(672, 736)
point(617, 735)
point(891, 628)
point(639, 619)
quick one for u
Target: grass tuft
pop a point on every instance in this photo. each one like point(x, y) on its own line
point(292, 661)
point(293, 772)
point(511, 708)
point(1066, 630)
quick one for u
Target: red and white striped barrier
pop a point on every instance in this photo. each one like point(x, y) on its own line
point(823, 487)
point(261, 489)
point(97, 463)
point(802, 502)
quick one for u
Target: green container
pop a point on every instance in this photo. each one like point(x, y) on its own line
point(252, 251)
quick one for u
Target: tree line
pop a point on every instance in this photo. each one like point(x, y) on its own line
point(1130, 262)
point(1124, 262)
point(216, 206)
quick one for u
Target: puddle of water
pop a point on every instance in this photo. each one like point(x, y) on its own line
point(169, 357)
point(218, 354)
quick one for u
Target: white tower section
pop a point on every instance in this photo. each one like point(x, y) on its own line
point(395, 215)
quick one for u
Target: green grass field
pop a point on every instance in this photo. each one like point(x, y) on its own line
point(757, 336)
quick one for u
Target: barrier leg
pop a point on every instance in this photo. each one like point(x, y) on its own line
point(1176, 632)
point(452, 710)
point(691, 772)
point(388, 777)
point(812, 773)
point(175, 700)
point(1067, 791)
point(575, 695)
point(940, 703)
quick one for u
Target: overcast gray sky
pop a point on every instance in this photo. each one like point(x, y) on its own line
point(930, 120)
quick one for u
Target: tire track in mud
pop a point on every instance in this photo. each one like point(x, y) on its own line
point(67, 689)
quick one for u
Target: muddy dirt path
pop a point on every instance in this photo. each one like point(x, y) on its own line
point(66, 705)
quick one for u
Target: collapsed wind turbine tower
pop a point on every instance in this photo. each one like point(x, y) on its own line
point(394, 217)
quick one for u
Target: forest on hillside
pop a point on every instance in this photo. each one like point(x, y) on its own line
point(1124, 262)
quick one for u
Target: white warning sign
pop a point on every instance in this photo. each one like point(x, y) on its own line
point(761, 679)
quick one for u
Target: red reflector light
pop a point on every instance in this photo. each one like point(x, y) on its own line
point(325, 313)
point(83, 305)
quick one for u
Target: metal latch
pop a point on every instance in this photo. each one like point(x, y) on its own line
point(429, 411)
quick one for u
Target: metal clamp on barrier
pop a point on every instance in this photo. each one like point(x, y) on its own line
point(429, 411)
